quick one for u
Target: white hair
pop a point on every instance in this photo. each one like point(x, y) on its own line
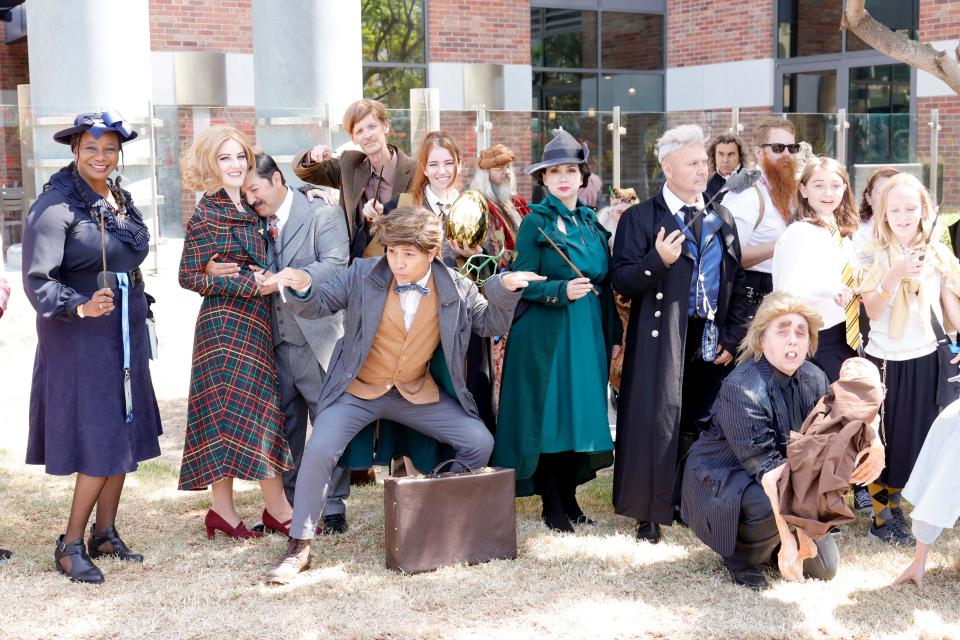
point(502, 194)
point(677, 138)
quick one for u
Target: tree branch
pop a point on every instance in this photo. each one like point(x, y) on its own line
point(897, 45)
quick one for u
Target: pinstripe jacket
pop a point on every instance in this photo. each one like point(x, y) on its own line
point(747, 437)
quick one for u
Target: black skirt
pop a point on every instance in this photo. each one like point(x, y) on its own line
point(832, 350)
point(910, 407)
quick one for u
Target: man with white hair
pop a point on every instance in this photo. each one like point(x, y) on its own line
point(680, 268)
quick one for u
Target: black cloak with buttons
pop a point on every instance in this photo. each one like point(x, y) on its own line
point(648, 416)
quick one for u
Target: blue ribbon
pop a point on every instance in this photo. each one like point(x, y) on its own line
point(125, 327)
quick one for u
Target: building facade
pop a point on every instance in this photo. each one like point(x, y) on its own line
point(272, 67)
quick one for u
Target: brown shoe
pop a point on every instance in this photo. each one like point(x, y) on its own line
point(294, 560)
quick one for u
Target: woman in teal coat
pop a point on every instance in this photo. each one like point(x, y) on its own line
point(552, 424)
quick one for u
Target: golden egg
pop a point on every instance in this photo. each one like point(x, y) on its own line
point(468, 219)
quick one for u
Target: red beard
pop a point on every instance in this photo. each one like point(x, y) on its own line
point(782, 180)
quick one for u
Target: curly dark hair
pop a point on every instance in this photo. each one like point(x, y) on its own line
point(725, 138)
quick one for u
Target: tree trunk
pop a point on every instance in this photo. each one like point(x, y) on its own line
point(897, 45)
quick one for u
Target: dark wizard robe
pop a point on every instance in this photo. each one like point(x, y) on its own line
point(648, 417)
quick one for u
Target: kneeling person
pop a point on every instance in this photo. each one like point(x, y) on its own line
point(766, 397)
point(399, 308)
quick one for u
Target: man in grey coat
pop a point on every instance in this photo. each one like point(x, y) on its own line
point(400, 308)
point(309, 235)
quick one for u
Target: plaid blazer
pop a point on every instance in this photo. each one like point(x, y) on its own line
point(234, 424)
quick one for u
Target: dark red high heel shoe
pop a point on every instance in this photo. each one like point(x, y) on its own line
point(213, 522)
point(272, 525)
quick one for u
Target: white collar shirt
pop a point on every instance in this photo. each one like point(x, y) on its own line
point(745, 209)
point(410, 301)
point(283, 211)
point(674, 203)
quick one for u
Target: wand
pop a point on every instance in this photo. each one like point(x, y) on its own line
point(567, 260)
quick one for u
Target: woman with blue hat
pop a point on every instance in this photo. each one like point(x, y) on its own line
point(552, 424)
point(92, 407)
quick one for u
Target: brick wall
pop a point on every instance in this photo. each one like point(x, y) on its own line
point(14, 70)
point(712, 31)
point(495, 31)
point(940, 20)
point(212, 25)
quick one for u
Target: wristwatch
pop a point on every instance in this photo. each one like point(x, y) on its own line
point(80, 311)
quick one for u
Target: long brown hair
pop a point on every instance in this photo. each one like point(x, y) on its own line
point(846, 214)
point(432, 140)
point(866, 210)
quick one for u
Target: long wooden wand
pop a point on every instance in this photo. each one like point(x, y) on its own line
point(553, 244)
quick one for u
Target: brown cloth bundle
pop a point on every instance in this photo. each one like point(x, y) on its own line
point(823, 455)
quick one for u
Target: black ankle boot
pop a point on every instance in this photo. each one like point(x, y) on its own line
point(82, 568)
point(553, 514)
point(568, 500)
point(118, 546)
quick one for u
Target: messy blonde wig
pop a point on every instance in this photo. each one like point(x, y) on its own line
point(198, 164)
point(775, 305)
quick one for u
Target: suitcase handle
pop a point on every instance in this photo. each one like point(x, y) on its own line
point(450, 461)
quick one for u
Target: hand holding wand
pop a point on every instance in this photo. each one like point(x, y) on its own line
point(553, 244)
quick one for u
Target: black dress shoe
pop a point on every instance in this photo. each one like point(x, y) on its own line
point(649, 531)
point(119, 548)
point(334, 524)
point(82, 568)
point(751, 578)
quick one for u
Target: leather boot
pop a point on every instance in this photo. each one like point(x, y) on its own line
point(567, 488)
point(552, 514)
point(295, 559)
point(118, 546)
point(82, 568)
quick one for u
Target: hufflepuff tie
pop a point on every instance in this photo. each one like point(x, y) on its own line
point(852, 310)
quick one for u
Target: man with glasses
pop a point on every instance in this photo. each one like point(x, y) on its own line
point(763, 213)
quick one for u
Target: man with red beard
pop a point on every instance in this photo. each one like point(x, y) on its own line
point(763, 213)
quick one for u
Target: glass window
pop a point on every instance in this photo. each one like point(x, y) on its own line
point(899, 15)
point(632, 41)
point(563, 38)
point(810, 92)
point(880, 114)
point(393, 31)
point(809, 27)
point(565, 91)
point(631, 91)
point(391, 85)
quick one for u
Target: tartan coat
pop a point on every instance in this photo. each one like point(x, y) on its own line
point(234, 423)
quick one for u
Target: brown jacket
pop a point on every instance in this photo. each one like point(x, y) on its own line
point(822, 456)
point(350, 173)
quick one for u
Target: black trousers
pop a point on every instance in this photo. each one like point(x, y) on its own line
point(701, 384)
point(758, 540)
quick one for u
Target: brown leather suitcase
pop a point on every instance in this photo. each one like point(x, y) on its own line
point(439, 519)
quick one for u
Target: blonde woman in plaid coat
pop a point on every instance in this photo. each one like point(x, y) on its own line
point(234, 424)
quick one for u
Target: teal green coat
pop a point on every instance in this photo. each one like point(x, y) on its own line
point(533, 343)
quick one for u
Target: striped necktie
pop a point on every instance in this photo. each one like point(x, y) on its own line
point(852, 311)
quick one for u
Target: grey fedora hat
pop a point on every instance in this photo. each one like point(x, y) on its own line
point(563, 149)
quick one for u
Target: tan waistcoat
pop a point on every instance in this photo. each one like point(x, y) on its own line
point(401, 359)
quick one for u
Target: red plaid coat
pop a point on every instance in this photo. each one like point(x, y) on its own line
point(234, 424)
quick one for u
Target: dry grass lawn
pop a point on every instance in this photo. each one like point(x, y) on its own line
point(598, 583)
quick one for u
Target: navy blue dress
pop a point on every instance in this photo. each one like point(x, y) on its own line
point(77, 414)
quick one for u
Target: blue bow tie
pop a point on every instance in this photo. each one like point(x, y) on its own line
point(400, 288)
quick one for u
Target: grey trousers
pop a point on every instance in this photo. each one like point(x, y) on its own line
point(301, 377)
point(444, 420)
point(757, 539)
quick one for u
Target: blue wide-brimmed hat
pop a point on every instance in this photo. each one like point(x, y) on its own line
point(563, 149)
point(97, 123)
